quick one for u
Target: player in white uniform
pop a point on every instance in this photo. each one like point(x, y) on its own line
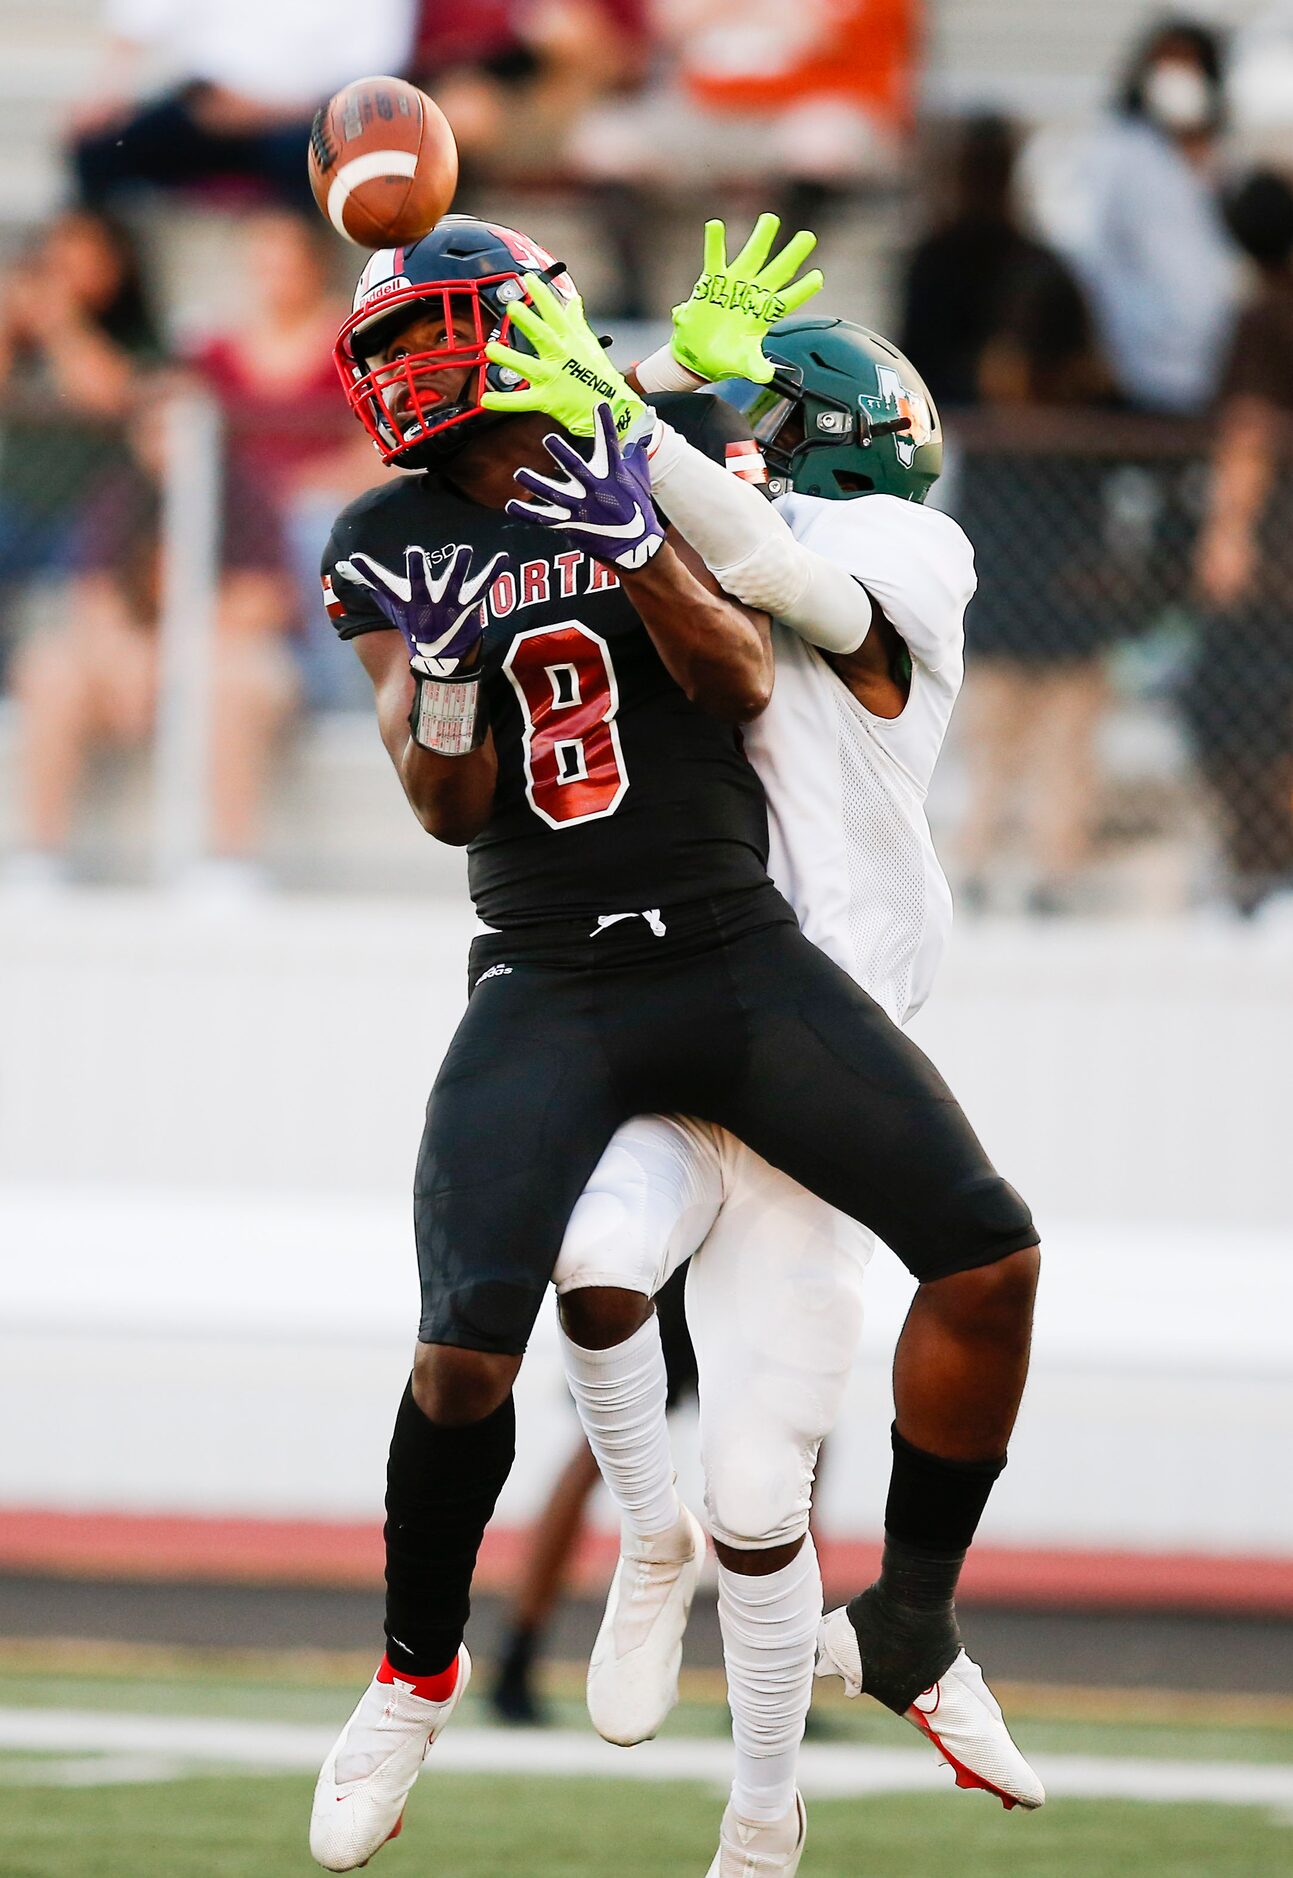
point(846, 751)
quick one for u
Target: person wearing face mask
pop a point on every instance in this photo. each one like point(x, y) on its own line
point(1143, 226)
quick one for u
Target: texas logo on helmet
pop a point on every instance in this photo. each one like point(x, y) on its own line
point(913, 406)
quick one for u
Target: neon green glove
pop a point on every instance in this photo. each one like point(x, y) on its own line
point(719, 332)
point(571, 374)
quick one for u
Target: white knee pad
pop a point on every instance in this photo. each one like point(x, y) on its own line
point(605, 1245)
point(651, 1199)
point(758, 1488)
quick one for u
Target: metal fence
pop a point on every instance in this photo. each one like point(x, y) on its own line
point(159, 607)
point(1120, 746)
point(1110, 710)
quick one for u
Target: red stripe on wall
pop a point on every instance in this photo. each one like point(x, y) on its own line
point(300, 1551)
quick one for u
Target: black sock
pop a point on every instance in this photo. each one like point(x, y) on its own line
point(517, 1659)
point(906, 1621)
point(936, 1504)
point(441, 1488)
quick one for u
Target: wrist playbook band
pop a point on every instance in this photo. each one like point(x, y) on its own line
point(446, 716)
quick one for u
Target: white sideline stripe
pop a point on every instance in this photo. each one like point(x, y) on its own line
point(98, 1770)
point(828, 1771)
point(363, 169)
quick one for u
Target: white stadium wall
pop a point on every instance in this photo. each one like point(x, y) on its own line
point(207, 1289)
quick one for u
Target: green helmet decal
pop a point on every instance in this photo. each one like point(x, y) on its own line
point(846, 413)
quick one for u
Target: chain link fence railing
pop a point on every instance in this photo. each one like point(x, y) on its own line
point(1109, 707)
point(1120, 746)
point(160, 630)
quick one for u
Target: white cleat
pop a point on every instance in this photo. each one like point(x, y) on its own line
point(365, 1782)
point(633, 1671)
point(749, 1850)
point(959, 1714)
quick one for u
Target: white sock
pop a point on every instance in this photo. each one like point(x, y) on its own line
point(769, 1630)
point(620, 1394)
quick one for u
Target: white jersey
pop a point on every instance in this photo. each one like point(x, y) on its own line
point(850, 843)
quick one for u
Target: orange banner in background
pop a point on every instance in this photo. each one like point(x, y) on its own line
point(767, 55)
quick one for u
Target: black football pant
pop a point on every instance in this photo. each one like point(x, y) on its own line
point(731, 1016)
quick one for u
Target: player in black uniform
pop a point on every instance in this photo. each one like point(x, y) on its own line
point(569, 713)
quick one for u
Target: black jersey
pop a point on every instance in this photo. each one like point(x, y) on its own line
point(615, 793)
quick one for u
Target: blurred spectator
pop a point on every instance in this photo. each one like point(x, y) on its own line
point(811, 99)
point(92, 679)
point(242, 82)
point(979, 283)
point(1239, 702)
point(74, 327)
point(998, 320)
point(1141, 221)
point(511, 75)
point(291, 440)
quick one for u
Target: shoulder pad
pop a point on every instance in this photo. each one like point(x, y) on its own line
point(712, 426)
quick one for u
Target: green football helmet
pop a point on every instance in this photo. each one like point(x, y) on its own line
point(866, 421)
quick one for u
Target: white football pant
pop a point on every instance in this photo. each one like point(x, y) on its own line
point(774, 1304)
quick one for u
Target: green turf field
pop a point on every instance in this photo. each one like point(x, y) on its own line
point(218, 1823)
point(484, 1828)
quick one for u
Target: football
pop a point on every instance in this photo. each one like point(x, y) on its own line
point(383, 162)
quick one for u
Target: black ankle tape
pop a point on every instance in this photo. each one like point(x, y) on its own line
point(904, 1651)
point(914, 1579)
point(934, 1504)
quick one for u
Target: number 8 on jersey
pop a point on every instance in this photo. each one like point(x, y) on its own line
point(565, 684)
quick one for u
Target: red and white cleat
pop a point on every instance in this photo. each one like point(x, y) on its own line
point(364, 1784)
point(959, 1715)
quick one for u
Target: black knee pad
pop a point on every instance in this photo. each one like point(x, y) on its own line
point(492, 1315)
point(984, 1220)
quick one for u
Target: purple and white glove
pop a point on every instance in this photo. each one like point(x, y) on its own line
point(603, 501)
point(441, 615)
point(437, 603)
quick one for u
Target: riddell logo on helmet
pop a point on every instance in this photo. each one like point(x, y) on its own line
point(384, 274)
point(385, 287)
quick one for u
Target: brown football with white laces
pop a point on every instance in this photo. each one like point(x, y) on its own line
point(383, 162)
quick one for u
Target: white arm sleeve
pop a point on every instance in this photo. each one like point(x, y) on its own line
point(750, 550)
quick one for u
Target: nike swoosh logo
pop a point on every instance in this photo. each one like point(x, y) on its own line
point(614, 531)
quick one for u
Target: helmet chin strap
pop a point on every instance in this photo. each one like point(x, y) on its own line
point(888, 429)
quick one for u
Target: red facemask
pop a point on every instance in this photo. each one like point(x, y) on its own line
point(424, 394)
